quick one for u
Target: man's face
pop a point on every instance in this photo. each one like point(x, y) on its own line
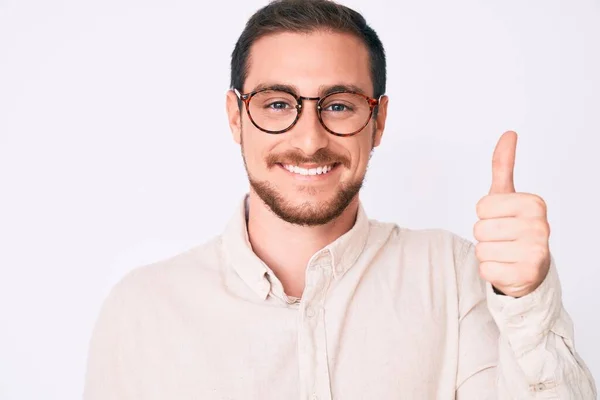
point(310, 63)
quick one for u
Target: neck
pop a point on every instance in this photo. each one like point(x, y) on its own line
point(287, 248)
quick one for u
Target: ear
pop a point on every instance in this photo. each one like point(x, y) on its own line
point(234, 116)
point(380, 120)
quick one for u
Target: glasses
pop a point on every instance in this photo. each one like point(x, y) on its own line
point(341, 113)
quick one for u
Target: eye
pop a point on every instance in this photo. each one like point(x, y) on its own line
point(337, 107)
point(278, 105)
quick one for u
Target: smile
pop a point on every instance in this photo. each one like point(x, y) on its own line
point(320, 170)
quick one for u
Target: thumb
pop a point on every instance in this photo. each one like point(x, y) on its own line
point(503, 164)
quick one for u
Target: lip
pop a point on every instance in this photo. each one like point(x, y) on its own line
point(311, 178)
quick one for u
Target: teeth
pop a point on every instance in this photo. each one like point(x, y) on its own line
point(312, 171)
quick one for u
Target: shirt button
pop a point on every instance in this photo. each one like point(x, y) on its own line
point(314, 397)
point(310, 312)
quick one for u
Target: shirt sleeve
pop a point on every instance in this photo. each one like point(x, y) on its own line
point(516, 348)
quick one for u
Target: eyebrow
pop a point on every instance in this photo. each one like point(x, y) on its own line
point(323, 89)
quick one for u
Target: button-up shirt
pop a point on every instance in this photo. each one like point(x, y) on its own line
point(387, 313)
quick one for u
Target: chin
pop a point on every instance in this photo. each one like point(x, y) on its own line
point(307, 205)
point(311, 195)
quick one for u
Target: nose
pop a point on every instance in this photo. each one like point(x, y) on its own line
point(308, 135)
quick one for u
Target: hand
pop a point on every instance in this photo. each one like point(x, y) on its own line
point(513, 230)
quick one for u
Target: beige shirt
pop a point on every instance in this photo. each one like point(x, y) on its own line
point(387, 313)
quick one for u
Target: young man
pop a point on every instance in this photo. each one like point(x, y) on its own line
point(304, 297)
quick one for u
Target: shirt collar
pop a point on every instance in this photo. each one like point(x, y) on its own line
point(238, 249)
point(342, 253)
point(346, 249)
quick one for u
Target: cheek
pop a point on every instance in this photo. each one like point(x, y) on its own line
point(252, 152)
point(256, 146)
point(361, 152)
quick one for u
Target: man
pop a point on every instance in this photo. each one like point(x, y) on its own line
point(304, 297)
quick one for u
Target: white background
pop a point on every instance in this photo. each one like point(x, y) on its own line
point(115, 150)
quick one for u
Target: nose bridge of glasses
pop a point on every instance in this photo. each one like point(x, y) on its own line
point(301, 100)
point(314, 121)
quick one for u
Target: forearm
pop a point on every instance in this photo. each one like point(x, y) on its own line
point(536, 355)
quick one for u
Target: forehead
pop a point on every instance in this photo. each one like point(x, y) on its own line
point(309, 61)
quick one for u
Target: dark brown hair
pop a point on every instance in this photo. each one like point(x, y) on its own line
point(305, 16)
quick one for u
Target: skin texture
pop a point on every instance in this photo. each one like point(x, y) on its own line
point(513, 229)
point(309, 214)
point(291, 217)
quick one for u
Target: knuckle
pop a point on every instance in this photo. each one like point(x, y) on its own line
point(479, 250)
point(532, 276)
point(539, 203)
point(484, 271)
point(538, 252)
point(543, 228)
point(479, 230)
point(538, 228)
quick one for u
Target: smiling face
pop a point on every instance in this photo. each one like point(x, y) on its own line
point(306, 175)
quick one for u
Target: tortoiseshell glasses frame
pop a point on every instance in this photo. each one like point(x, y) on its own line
point(247, 97)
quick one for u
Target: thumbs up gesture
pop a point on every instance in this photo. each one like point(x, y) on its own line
point(512, 230)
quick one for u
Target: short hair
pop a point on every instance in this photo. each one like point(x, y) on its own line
point(305, 16)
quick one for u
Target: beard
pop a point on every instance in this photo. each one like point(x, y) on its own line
point(307, 213)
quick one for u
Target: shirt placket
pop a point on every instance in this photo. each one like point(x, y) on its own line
point(314, 368)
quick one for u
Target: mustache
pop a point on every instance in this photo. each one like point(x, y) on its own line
point(321, 156)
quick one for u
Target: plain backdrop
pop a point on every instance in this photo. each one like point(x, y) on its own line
point(115, 150)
